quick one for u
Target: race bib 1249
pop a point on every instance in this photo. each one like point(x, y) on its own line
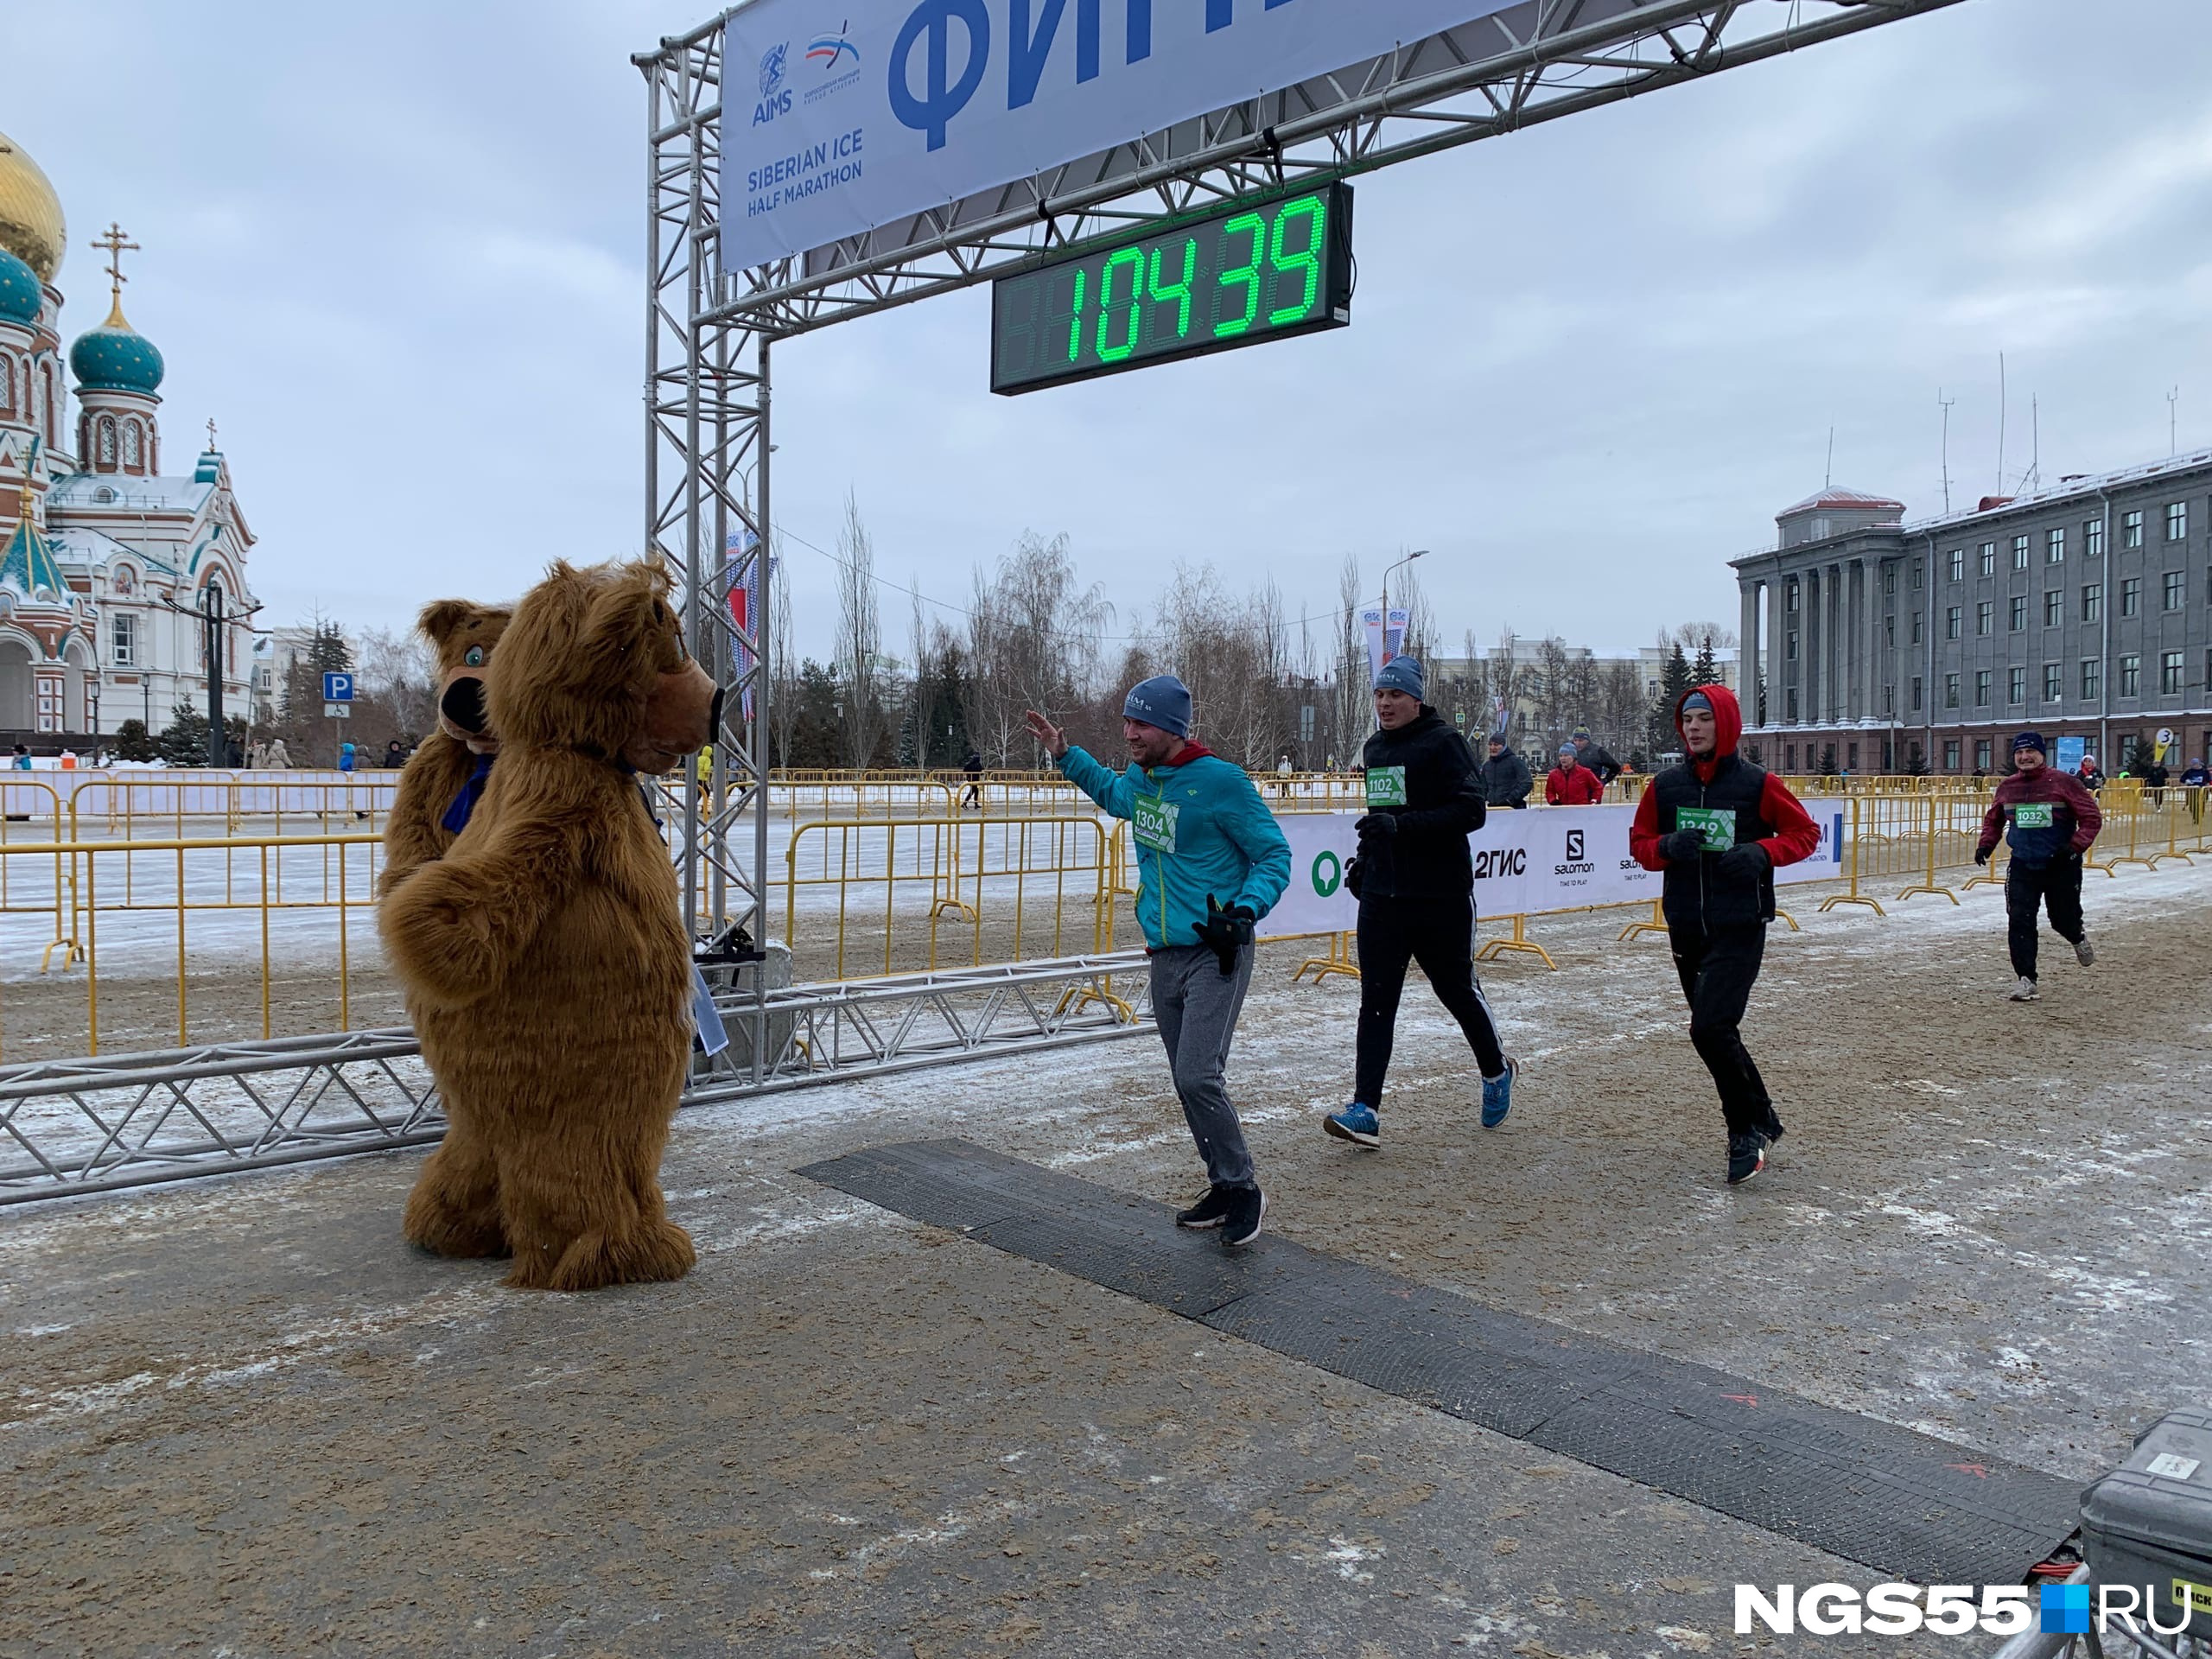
point(1153, 823)
point(1717, 824)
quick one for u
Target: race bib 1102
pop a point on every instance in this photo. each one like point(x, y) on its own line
point(1717, 824)
point(1386, 786)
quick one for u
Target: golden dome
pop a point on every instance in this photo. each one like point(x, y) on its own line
point(30, 214)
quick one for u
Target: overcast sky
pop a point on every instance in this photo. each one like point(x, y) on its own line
point(395, 251)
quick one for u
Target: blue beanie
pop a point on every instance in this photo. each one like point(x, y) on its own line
point(1162, 701)
point(1401, 674)
point(2028, 741)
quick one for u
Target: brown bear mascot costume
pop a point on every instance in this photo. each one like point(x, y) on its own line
point(545, 956)
point(438, 791)
point(448, 772)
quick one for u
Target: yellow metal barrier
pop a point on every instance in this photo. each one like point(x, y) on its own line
point(259, 876)
point(979, 874)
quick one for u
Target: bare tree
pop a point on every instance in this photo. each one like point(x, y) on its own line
point(1034, 639)
point(400, 669)
point(1354, 709)
point(860, 646)
point(783, 660)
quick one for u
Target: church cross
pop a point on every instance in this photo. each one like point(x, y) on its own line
point(211, 434)
point(116, 246)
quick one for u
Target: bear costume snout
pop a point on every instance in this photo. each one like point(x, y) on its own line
point(681, 713)
point(461, 712)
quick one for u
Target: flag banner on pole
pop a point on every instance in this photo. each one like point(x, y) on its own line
point(1383, 643)
point(741, 580)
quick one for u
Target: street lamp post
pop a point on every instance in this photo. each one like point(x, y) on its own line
point(1418, 553)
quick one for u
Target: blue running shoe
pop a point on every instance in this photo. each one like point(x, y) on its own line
point(1355, 1123)
point(1497, 1095)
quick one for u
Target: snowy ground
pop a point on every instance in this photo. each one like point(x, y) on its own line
point(240, 1416)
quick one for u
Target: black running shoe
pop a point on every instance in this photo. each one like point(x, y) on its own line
point(1246, 1205)
point(1208, 1211)
point(1746, 1156)
point(1772, 1128)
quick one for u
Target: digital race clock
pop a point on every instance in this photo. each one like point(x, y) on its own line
point(1257, 272)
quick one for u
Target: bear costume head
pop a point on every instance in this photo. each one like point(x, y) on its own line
point(464, 634)
point(594, 662)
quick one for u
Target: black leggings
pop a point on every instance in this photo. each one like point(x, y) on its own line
point(2055, 887)
point(1717, 970)
point(1439, 935)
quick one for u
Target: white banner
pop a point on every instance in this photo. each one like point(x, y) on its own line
point(1554, 858)
point(837, 119)
point(1383, 642)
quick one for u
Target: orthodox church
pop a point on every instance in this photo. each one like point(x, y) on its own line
point(108, 565)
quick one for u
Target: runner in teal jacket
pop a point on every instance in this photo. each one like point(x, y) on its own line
point(1201, 830)
point(1211, 862)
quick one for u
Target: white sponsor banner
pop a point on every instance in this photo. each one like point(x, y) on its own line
point(837, 119)
point(1385, 640)
point(1557, 858)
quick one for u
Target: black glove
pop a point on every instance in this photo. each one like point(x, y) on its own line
point(1681, 846)
point(1981, 855)
point(1354, 876)
point(1375, 824)
point(1745, 862)
point(1224, 932)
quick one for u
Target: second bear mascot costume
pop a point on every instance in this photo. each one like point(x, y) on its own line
point(446, 774)
point(437, 794)
point(545, 955)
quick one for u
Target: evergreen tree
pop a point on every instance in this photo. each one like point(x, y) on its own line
point(1674, 680)
point(1704, 673)
point(2142, 755)
point(134, 742)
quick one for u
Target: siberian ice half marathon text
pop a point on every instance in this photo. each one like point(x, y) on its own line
point(815, 160)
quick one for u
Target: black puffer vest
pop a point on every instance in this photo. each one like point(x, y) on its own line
point(1697, 894)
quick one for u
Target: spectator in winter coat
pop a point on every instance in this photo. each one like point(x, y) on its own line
point(1717, 827)
point(1504, 777)
point(1570, 783)
point(2089, 777)
point(1595, 756)
point(1415, 881)
point(2049, 820)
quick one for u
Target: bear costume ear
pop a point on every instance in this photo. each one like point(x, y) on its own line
point(442, 618)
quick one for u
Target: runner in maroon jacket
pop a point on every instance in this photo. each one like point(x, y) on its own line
point(1718, 828)
point(2051, 819)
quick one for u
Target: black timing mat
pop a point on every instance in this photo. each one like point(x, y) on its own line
point(1902, 1503)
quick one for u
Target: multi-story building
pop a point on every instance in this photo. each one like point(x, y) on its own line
point(2084, 610)
point(103, 558)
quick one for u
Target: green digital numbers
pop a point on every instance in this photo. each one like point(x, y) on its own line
point(1179, 292)
point(1247, 273)
point(1131, 259)
point(1315, 211)
point(1075, 319)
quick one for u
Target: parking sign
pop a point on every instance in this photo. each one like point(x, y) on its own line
point(338, 688)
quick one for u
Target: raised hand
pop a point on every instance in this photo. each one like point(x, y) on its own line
point(1054, 740)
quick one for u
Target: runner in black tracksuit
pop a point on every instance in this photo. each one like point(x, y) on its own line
point(1718, 828)
point(1415, 879)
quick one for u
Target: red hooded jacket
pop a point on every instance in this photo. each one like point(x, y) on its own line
point(1795, 836)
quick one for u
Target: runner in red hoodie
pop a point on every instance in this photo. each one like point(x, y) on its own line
point(1718, 828)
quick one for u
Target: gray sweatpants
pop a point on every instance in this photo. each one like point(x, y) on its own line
point(1197, 1009)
